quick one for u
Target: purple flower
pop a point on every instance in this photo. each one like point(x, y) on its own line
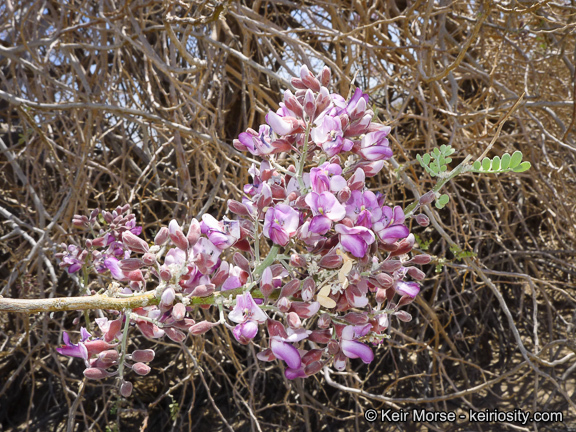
point(374, 146)
point(75, 350)
point(330, 137)
point(113, 265)
point(411, 289)
point(363, 208)
point(281, 223)
point(390, 227)
point(327, 177)
point(222, 234)
point(283, 125)
point(351, 347)
point(325, 209)
point(284, 350)
point(258, 143)
point(246, 309)
point(355, 240)
point(70, 259)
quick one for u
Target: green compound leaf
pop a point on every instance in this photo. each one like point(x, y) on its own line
point(524, 166)
point(486, 162)
point(442, 201)
point(515, 159)
point(505, 162)
point(496, 163)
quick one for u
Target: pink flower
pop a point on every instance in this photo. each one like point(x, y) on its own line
point(281, 223)
point(330, 137)
point(390, 227)
point(247, 314)
point(325, 209)
point(363, 208)
point(351, 348)
point(355, 240)
point(374, 146)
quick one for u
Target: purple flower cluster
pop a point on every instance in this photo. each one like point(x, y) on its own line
point(345, 257)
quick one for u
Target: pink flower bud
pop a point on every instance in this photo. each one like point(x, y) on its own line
point(165, 273)
point(324, 321)
point(312, 356)
point(344, 194)
point(331, 261)
point(314, 367)
point(403, 316)
point(97, 346)
point(109, 356)
point(238, 208)
point(308, 289)
point(135, 276)
point(107, 216)
point(162, 236)
point(130, 264)
point(308, 79)
point(290, 288)
point(96, 373)
point(371, 168)
point(385, 280)
point(333, 347)
point(292, 103)
point(143, 356)
point(98, 242)
point(149, 259)
point(305, 310)
point(202, 327)
point(420, 259)
point(126, 389)
point(404, 246)
point(297, 260)
point(309, 103)
point(177, 235)
point(141, 368)
point(203, 290)
point(168, 296)
point(293, 320)
point(193, 233)
point(416, 273)
point(381, 296)
point(174, 334)
point(178, 311)
point(404, 300)
point(324, 76)
point(297, 83)
point(266, 285)
point(80, 221)
point(422, 220)
point(134, 243)
point(283, 304)
point(241, 261)
point(390, 266)
point(356, 318)
point(322, 101)
point(427, 198)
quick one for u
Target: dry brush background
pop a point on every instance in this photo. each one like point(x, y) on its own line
point(106, 102)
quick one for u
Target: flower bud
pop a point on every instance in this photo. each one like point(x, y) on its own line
point(309, 80)
point(309, 103)
point(290, 288)
point(297, 260)
point(324, 321)
point(324, 76)
point(312, 356)
point(134, 243)
point(202, 327)
point(283, 304)
point(162, 236)
point(238, 208)
point(178, 311)
point(143, 356)
point(203, 290)
point(292, 103)
point(80, 221)
point(356, 318)
point(126, 388)
point(96, 373)
point(168, 296)
point(308, 289)
point(305, 310)
point(320, 336)
point(109, 356)
point(174, 334)
point(381, 295)
point(297, 83)
point(403, 316)
point(416, 273)
point(314, 367)
point(293, 320)
point(135, 276)
point(266, 282)
point(385, 280)
point(331, 261)
point(165, 273)
point(130, 264)
point(141, 368)
point(404, 300)
point(193, 233)
point(241, 261)
point(390, 266)
point(420, 259)
point(404, 246)
point(276, 328)
point(344, 194)
point(333, 347)
point(427, 198)
point(107, 216)
point(148, 259)
point(421, 219)
point(177, 235)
